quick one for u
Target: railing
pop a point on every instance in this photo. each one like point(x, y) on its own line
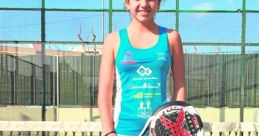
point(231, 128)
point(51, 128)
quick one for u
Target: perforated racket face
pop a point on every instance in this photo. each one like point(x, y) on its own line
point(175, 120)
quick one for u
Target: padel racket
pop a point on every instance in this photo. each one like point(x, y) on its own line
point(175, 118)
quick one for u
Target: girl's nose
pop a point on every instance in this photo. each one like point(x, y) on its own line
point(143, 3)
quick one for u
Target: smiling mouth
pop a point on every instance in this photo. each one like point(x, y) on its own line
point(144, 12)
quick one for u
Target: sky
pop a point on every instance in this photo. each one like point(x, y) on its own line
point(118, 4)
point(65, 26)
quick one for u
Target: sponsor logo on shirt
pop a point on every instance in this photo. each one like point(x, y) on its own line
point(143, 71)
point(128, 58)
point(161, 56)
point(144, 109)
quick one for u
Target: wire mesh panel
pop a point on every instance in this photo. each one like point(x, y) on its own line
point(19, 25)
point(252, 28)
point(212, 5)
point(210, 27)
point(79, 4)
point(214, 80)
point(21, 80)
point(86, 23)
point(78, 80)
point(20, 4)
point(251, 80)
point(6, 83)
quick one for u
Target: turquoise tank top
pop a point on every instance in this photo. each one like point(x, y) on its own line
point(141, 79)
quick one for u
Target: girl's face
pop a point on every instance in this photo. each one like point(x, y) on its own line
point(142, 10)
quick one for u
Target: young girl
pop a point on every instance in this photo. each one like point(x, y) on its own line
point(141, 56)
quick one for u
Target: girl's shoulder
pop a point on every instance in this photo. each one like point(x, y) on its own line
point(174, 39)
point(111, 39)
point(172, 33)
point(111, 42)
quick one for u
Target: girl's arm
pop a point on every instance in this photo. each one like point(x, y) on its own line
point(106, 78)
point(178, 68)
